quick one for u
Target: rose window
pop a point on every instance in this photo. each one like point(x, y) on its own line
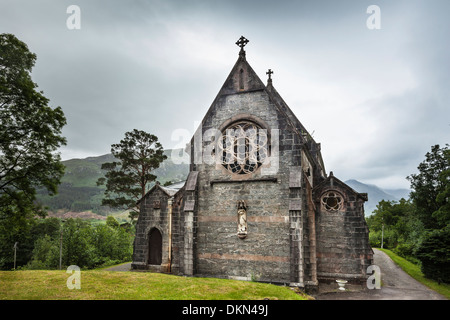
point(332, 201)
point(243, 147)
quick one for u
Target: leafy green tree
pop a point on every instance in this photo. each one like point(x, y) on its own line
point(112, 222)
point(434, 254)
point(431, 191)
point(431, 188)
point(45, 254)
point(30, 133)
point(78, 248)
point(442, 215)
point(128, 179)
point(30, 130)
point(113, 244)
point(15, 226)
point(402, 228)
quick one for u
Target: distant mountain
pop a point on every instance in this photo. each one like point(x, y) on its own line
point(377, 194)
point(79, 192)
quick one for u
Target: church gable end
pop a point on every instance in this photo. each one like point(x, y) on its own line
point(257, 203)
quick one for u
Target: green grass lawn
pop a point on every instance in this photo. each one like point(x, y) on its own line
point(414, 271)
point(110, 285)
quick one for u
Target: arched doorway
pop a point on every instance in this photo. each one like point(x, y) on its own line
point(155, 247)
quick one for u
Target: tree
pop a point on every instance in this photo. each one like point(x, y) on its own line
point(431, 188)
point(400, 226)
point(128, 179)
point(442, 215)
point(430, 194)
point(30, 132)
point(77, 246)
point(112, 222)
point(434, 254)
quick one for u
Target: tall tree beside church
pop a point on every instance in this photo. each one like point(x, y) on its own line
point(30, 131)
point(127, 180)
point(430, 195)
point(431, 188)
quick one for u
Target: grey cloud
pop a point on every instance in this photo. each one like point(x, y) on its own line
point(157, 66)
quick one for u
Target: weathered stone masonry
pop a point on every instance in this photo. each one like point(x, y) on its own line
point(302, 226)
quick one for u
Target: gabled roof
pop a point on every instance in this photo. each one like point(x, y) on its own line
point(332, 180)
point(254, 83)
point(170, 190)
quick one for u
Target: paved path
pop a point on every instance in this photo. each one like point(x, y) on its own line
point(121, 267)
point(396, 285)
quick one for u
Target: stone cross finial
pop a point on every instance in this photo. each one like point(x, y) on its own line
point(269, 72)
point(242, 42)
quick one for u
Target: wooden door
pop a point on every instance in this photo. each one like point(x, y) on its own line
point(155, 247)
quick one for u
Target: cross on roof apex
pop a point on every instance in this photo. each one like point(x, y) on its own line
point(269, 72)
point(241, 43)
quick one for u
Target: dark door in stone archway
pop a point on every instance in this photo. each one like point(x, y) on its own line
point(155, 247)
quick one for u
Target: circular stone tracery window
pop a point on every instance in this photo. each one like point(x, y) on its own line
point(243, 147)
point(332, 201)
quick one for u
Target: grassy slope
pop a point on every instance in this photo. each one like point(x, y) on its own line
point(415, 272)
point(109, 285)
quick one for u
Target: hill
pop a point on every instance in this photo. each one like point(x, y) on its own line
point(377, 194)
point(78, 191)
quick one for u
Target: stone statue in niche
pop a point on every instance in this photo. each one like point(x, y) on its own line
point(242, 219)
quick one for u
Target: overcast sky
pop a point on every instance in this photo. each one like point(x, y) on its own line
point(376, 99)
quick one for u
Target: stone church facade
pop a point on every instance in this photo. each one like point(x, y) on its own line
point(257, 203)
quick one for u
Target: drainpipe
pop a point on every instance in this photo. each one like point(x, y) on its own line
point(170, 203)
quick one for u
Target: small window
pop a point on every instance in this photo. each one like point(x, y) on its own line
point(241, 79)
point(332, 201)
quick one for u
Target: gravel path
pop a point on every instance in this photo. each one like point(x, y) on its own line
point(396, 285)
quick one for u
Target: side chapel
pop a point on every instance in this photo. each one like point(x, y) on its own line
point(264, 209)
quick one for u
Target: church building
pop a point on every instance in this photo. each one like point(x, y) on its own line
point(258, 203)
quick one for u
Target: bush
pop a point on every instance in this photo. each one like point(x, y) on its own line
point(434, 254)
point(407, 251)
point(375, 239)
point(404, 250)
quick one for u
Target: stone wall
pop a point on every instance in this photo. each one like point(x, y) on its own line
point(343, 250)
point(154, 214)
point(266, 254)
